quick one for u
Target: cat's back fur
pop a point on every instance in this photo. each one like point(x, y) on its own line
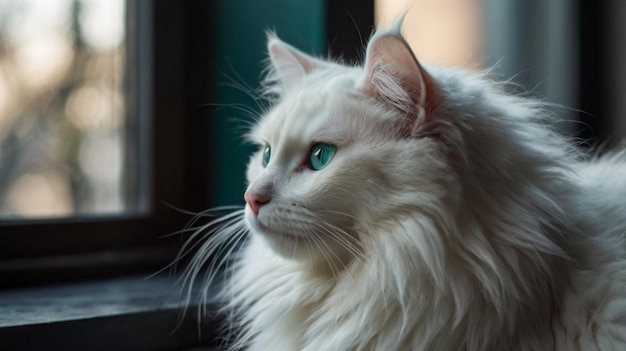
point(467, 222)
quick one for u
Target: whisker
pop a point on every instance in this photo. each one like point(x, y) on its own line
point(210, 232)
point(211, 273)
point(338, 213)
point(334, 268)
point(237, 82)
point(225, 252)
point(218, 237)
point(342, 238)
point(190, 244)
point(325, 251)
point(207, 212)
point(245, 110)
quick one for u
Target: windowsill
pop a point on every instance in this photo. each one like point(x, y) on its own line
point(120, 314)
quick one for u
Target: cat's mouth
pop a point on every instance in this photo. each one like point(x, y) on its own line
point(294, 238)
point(256, 225)
point(284, 242)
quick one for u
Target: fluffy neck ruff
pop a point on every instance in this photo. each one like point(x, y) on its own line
point(392, 300)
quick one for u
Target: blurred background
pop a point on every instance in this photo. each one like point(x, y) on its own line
point(62, 107)
point(65, 135)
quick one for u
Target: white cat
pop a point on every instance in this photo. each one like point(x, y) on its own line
point(397, 206)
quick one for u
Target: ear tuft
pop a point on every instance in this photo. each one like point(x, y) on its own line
point(289, 64)
point(395, 76)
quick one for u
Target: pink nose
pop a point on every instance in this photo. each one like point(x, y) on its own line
point(255, 201)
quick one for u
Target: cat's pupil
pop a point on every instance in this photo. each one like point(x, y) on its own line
point(267, 155)
point(321, 155)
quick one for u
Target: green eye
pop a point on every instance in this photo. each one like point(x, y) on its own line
point(321, 155)
point(267, 154)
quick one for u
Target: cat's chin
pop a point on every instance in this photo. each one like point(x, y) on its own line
point(282, 243)
point(292, 246)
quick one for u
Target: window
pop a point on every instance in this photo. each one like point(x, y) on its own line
point(171, 84)
point(448, 32)
point(180, 150)
point(148, 132)
point(62, 112)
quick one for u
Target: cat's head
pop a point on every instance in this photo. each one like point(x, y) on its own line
point(343, 150)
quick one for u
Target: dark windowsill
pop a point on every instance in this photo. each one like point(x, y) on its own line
point(118, 314)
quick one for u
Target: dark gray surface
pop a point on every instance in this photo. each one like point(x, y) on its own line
point(87, 300)
point(121, 314)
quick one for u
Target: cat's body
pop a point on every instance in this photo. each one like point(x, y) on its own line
point(449, 216)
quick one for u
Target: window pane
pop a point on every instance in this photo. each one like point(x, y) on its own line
point(62, 108)
point(447, 32)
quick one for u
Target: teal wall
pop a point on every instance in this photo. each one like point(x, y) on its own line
point(239, 50)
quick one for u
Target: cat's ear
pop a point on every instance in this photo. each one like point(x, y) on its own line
point(290, 65)
point(396, 77)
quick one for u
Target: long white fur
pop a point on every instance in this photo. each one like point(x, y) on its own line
point(481, 230)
